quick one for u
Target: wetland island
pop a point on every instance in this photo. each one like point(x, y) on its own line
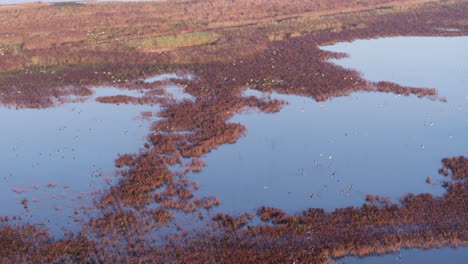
point(234, 131)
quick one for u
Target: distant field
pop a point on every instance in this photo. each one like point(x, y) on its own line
point(15, 2)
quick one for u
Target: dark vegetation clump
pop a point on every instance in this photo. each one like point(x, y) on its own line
point(458, 166)
point(230, 223)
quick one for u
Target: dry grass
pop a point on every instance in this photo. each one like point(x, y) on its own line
point(171, 42)
point(45, 26)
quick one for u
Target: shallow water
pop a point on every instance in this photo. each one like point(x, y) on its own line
point(175, 91)
point(311, 154)
point(61, 158)
point(432, 256)
point(331, 154)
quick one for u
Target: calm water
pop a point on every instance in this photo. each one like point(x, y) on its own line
point(328, 154)
point(414, 256)
point(62, 158)
point(331, 154)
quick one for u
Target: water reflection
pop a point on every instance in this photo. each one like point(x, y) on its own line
point(61, 158)
point(330, 154)
point(175, 91)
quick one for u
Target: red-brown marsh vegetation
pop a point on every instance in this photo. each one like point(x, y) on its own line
point(421, 221)
point(458, 166)
point(150, 193)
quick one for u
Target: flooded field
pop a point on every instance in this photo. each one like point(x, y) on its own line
point(152, 134)
point(431, 256)
point(331, 154)
point(62, 158)
point(168, 141)
point(328, 154)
